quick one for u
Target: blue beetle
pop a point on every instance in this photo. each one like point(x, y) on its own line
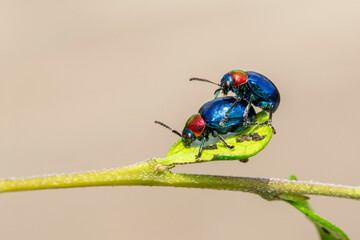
point(251, 86)
point(207, 121)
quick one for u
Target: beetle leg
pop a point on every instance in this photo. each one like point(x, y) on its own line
point(256, 124)
point(222, 140)
point(225, 118)
point(270, 119)
point(200, 149)
point(248, 123)
point(217, 91)
point(214, 146)
point(206, 137)
point(246, 112)
point(268, 123)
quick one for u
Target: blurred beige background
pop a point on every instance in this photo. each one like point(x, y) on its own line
point(83, 81)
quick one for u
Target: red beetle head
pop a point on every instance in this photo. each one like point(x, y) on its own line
point(233, 80)
point(194, 127)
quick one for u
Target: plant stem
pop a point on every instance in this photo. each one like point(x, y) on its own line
point(145, 174)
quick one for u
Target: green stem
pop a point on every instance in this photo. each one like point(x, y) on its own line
point(145, 174)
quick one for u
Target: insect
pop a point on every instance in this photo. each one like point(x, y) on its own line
point(207, 121)
point(251, 86)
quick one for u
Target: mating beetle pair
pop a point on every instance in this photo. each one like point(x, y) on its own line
point(231, 114)
point(251, 86)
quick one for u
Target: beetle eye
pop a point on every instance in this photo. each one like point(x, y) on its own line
point(227, 84)
point(188, 136)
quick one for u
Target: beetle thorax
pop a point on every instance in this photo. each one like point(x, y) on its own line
point(196, 124)
point(239, 78)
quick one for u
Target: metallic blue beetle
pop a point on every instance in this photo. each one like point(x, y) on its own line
point(207, 121)
point(251, 86)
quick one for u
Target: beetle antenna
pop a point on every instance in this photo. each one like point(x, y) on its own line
point(166, 126)
point(217, 91)
point(203, 80)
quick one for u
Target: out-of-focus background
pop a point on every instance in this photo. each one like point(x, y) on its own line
point(83, 81)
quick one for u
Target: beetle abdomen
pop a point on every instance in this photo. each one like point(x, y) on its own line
point(264, 91)
point(213, 112)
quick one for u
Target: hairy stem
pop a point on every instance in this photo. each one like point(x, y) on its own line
point(145, 174)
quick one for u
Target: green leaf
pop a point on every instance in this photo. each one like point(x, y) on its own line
point(180, 154)
point(327, 230)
